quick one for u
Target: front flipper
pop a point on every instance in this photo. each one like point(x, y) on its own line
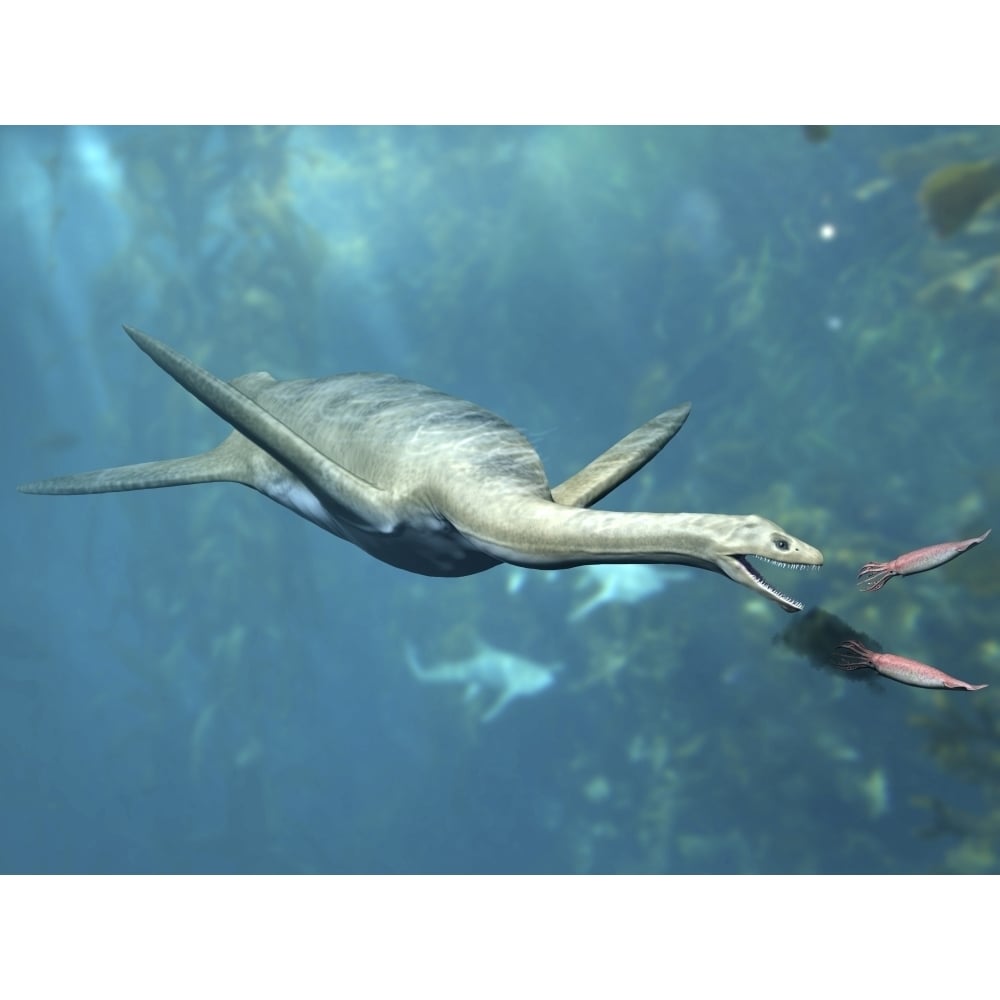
point(498, 706)
point(330, 482)
point(621, 461)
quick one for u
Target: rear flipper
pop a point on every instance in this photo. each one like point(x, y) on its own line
point(413, 663)
point(224, 464)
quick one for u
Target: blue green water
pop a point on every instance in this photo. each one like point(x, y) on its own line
point(194, 680)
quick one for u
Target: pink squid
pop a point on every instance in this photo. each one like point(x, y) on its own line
point(875, 575)
point(899, 668)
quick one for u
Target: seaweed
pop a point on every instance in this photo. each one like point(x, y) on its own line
point(816, 133)
point(953, 195)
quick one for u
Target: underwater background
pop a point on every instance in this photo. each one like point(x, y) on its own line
point(194, 680)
